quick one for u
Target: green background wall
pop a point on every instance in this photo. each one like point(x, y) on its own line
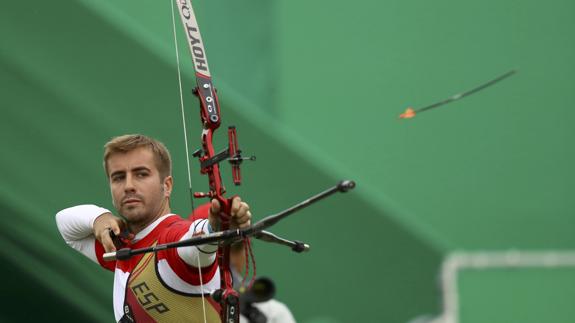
point(315, 88)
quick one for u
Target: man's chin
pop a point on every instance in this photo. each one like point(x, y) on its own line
point(132, 213)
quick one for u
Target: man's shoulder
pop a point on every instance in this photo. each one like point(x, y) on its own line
point(177, 223)
point(174, 221)
point(201, 212)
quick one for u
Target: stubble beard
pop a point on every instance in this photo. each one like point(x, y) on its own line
point(134, 214)
point(138, 217)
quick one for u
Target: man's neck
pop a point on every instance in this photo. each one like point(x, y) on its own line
point(137, 227)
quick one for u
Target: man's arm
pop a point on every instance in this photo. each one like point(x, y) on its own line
point(83, 227)
point(179, 267)
point(240, 218)
point(184, 262)
point(199, 256)
point(205, 221)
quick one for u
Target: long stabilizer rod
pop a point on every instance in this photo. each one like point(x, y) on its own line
point(230, 235)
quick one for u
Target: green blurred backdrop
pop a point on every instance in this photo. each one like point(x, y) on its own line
point(315, 89)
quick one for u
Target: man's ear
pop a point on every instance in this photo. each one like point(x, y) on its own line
point(168, 185)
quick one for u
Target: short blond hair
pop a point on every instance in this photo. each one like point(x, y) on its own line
point(127, 143)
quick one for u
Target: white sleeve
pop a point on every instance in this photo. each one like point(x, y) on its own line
point(76, 227)
point(204, 254)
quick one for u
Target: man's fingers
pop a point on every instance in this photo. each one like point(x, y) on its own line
point(243, 220)
point(115, 227)
point(107, 225)
point(215, 208)
point(243, 213)
point(106, 241)
point(236, 204)
point(239, 212)
point(243, 209)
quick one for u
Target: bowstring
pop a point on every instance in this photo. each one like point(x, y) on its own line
point(181, 92)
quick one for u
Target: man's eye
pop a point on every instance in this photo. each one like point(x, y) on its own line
point(117, 178)
point(142, 174)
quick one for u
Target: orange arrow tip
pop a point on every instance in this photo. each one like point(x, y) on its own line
point(408, 114)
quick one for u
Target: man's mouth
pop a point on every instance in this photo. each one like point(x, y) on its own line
point(131, 201)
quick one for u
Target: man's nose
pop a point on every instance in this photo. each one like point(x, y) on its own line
point(129, 183)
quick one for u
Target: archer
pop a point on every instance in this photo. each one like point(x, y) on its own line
point(167, 286)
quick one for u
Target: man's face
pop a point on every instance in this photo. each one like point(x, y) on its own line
point(138, 192)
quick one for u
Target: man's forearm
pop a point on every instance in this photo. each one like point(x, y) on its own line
point(204, 255)
point(76, 227)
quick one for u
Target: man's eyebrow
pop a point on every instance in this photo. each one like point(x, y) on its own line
point(135, 169)
point(140, 168)
point(118, 172)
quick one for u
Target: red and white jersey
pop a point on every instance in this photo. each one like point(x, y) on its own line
point(166, 286)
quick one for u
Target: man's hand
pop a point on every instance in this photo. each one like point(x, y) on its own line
point(240, 214)
point(103, 225)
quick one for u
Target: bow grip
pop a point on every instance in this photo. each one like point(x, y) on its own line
point(225, 211)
